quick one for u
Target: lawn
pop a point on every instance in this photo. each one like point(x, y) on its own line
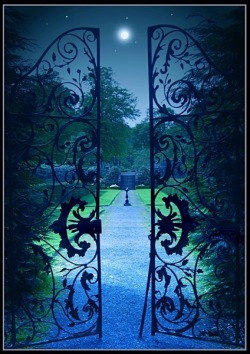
point(145, 196)
point(106, 197)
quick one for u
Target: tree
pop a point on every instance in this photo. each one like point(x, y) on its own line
point(225, 44)
point(13, 41)
point(22, 268)
point(29, 137)
point(117, 106)
point(140, 150)
point(140, 135)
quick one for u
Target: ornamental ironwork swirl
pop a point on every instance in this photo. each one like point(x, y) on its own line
point(51, 137)
point(177, 218)
point(196, 302)
point(197, 175)
point(79, 225)
point(183, 77)
point(52, 127)
point(58, 84)
point(58, 311)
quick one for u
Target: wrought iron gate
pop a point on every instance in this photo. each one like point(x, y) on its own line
point(52, 225)
point(197, 193)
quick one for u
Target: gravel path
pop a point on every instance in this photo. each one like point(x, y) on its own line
point(125, 259)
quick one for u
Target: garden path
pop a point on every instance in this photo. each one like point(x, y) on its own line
point(125, 259)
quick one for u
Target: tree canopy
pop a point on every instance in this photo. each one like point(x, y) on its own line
point(118, 106)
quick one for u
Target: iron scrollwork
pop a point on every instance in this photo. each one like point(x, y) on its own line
point(52, 153)
point(80, 225)
point(79, 235)
point(178, 219)
point(198, 248)
point(183, 75)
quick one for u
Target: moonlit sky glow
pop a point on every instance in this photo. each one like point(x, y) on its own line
point(125, 54)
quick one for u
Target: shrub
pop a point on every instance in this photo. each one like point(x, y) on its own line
point(112, 176)
point(143, 176)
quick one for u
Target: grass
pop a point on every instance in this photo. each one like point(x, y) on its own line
point(107, 196)
point(145, 196)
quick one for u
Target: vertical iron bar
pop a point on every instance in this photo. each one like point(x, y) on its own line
point(152, 183)
point(145, 300)
point(98, 182)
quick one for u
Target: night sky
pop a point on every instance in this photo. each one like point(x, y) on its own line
point(127, 58)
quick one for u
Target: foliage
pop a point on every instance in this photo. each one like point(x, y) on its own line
point(117, 104)
point(117, 107)
point(114, 140)
point(140, 135)
point(225, 45)
point(141, 158)
point(221, 151)
point(13, 40)
point(25, 196)
point(10, 241)
point(112, 177)
point(143, 176)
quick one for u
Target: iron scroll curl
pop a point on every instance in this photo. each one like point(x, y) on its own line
point(79, 226)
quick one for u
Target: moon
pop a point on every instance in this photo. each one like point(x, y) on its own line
point(124, 34)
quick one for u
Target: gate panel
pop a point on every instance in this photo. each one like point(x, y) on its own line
point(197, 192)
point(52, 225)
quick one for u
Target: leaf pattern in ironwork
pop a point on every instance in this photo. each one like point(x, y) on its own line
point(165, 304)
point(86, 277)
point(80, 225)
point(171, 223)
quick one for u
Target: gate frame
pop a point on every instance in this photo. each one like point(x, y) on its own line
point(89, 227)
point(153, 72)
